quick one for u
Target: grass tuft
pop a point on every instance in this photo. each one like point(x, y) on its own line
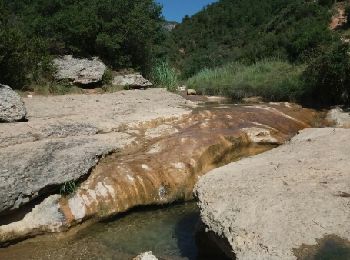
point(164, 76)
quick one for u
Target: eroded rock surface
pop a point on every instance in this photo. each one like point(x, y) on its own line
point(132, 80)
point(79, 71)
point(66, 135)
point(146, 256)
point(11, 106)
point(339, 117)
point(166, 158)
point(270, 204)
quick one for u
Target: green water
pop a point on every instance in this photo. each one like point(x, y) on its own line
point(169, 232)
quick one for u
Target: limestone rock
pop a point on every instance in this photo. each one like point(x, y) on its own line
point(79, 71)
point(11, 106)
point(339, 117)
point(191, 92)
point(66, 135)
point(132, 80)
point(146, 256)
point(266, 206)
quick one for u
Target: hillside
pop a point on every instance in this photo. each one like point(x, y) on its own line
point(249, 30)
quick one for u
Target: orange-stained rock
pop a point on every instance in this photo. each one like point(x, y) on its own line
point(168, 158)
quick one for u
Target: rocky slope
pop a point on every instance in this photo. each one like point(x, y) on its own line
point(268, 206)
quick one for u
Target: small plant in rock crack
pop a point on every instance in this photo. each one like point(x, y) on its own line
point(68, 188)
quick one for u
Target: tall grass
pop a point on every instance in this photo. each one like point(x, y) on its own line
point(164, 76)
point(274, 80)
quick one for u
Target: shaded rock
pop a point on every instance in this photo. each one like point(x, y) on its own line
point(79, 71)
point(266, 206)
point(11, 106)
point(132, 80)
point(146, 256)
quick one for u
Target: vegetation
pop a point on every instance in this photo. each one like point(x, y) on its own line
point(164, 76)
point(123, 33)
point(68, 188)
point(248, 31)
point(327, 78)
point(274, 80)
point(278, 49)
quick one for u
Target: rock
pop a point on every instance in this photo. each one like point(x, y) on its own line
point(146, 256)
point(156, 162)
point(182, 88)
point(218, 99)
point(266, 206)
point(191, 92)
point(11, 106)
point(79, 71)
point(252, 100)
point(132, 80)
point(339, 117)
point(66, 136)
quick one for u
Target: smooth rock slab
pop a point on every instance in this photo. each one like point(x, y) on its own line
point(66, 136)
point(266, 206)
point(11, 106)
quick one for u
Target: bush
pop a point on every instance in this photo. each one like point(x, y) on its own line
point(164, 76)
point(274, 80)
point(327, 77)
point(107, 77)
point(22, 59)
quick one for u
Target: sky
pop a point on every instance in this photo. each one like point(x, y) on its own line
point(175, 10)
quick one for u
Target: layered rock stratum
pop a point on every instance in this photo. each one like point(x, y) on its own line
point(267, 206)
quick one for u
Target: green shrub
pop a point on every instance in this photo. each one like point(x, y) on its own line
point(327, 77)
point(68, 188)
point(164, 76)
point(107, 77)
point(274, 80)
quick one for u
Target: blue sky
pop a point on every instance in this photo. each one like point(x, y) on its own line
point(175, 10)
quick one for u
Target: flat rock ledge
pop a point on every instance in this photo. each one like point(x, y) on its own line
point(67, 135)
point(266, 206)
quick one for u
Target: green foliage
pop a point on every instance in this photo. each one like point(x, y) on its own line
point(164, 76)
point(107, 77)
point(121, 32)
point(274, 80)
point(68, 188)
point(22, 59)
point(249, 31)
point(327, 78)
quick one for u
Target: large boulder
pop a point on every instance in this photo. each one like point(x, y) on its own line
point(79, 71)
point(11, 106)
point(135, 80)
point(268, 206)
